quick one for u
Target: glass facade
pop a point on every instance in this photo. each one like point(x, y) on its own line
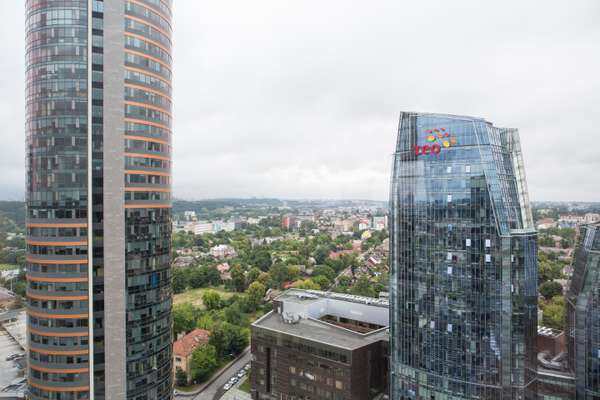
point(463, 290)
point(71, 61)
point(583, 316)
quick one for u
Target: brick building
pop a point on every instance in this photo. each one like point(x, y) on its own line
point(318, 345)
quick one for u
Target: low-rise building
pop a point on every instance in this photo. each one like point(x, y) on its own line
point(184, 347)
point(321, 346)
point(222, 251)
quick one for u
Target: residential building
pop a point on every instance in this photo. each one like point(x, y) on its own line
point(583, 314)
point(98, 127)
point(202, 227)
point(321, 346)
point(224, 271)
point(184, 347)
point(288, 222)
point(591, 218)
point(463, 281)
point(379, 223)
point(222, 251)
point(546, 223)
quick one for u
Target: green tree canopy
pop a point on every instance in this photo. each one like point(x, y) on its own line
point(204, 361)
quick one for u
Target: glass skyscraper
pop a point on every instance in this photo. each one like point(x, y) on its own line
point(98, 125)
point(463, 282)
point(583, 315)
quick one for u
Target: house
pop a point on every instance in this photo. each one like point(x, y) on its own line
point(222, 251)
point(184, 347)
point(224, 271)
point(546, 223)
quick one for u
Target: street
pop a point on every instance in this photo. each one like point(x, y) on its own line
point(214, 391)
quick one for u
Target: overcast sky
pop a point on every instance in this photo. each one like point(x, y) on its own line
point(300, 99)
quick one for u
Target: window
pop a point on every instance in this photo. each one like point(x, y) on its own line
point(488, 258)
point(488, 243)
point(467, 169)
point(468, 242)
point(339, 385)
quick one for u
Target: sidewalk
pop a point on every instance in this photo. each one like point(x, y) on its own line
point(213, 378)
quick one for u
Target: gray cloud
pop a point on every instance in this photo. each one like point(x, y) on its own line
point(301, 99)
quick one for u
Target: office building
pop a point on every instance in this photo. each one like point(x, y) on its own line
point(463, 281)
point(98, 125)
point(321, 346)
point(583, 314)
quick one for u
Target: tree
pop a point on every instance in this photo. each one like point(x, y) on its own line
point(321, 254)
point(262, 259)
point(255, 293)
point(344, 283)
point(322, 281)
point(234, 314)
point(324, 270)
point(238, 280)
point(204, 276)
point(306, 284)
point(212, 300)
point(179, 281)
point(550, 289)
point(252, 275)
point(204, 361)
point(184, 318)
point(554, 313)
point(180, 377)
point(228, 340)
point(363, 287)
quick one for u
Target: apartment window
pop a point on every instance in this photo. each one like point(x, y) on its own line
point(468, 242)
point(292, 370)
point(488, 258)
point(467, 169)
point(339, 385)
point(488, 243)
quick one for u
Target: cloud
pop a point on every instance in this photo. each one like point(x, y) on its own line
point(301, 99)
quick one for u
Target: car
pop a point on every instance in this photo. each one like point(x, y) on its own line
point(241, 374)
point(227, 386)
point(247, 366)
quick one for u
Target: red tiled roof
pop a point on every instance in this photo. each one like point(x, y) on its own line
point(187, 344)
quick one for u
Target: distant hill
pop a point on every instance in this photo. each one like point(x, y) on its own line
point(12, 216)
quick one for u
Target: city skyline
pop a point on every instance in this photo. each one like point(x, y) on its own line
point(267, 95)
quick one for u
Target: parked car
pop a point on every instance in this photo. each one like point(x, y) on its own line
point(241, 374)
point(227, 386)
point(247, 366)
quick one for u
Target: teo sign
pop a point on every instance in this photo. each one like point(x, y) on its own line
point(437, 139)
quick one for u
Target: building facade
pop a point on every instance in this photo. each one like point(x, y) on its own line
point(320, 346)
point(583, 314)
point(183, 349)
point(98, 125)
point(463, 281)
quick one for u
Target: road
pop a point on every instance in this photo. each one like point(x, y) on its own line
point(214, 391)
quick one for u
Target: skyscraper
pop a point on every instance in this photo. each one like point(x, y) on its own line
point(583, 315)
point(98, 126)
point(463, 280)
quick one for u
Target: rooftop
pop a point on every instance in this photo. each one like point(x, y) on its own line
point(300, 313)
point(187, 344)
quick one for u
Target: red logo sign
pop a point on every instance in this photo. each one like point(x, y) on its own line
point(439, 139)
